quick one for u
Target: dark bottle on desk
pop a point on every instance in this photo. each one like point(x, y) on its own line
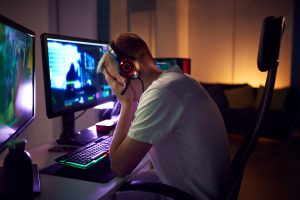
point(18, 181)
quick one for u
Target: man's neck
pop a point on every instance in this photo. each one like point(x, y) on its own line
point(150, 75)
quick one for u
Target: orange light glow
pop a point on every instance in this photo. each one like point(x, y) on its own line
point(255, 78)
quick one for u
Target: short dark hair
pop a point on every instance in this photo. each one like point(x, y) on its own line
point(130, 44)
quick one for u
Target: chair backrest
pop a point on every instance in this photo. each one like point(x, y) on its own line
point(268, 54)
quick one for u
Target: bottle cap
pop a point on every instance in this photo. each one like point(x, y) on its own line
point(17, 144)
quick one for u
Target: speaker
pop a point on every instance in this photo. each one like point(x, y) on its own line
point(126, 64)
point(269, 45)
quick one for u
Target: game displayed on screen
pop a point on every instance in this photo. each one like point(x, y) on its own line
point(73, 73)
point(167, 63)
point(16, 79)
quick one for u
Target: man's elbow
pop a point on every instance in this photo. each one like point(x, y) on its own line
point(119, 170)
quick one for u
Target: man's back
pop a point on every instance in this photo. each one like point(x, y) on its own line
point(190, 148)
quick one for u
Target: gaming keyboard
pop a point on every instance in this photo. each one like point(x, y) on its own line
point(87, 155)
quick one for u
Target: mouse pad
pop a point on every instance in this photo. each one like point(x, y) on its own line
point(100, 172)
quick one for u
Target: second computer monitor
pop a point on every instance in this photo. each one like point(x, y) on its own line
point(70, 74)
point(166, 63)
point(70, 78)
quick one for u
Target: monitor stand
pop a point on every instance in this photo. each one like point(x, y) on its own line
point(71, 137)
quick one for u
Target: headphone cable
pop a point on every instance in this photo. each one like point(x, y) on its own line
point(126, 86)
point(143, 88)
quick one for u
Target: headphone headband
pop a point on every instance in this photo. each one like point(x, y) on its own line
point(112, 52)
point(117, 53)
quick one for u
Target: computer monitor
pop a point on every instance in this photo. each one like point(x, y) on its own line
point(71, 81)
point(17, 94)
point(166, 63)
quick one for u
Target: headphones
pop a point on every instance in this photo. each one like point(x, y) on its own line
point(126, 64)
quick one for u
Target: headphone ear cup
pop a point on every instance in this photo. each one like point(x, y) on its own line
point(127, 69)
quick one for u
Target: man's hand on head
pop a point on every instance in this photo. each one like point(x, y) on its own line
point(117, 86)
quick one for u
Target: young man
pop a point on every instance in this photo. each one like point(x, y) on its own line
point(169, 115)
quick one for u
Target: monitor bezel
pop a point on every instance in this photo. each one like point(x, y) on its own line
point(28, 121)
point(176, 58)
point(46, 73)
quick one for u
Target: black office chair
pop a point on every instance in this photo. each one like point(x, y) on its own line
point(268, 54)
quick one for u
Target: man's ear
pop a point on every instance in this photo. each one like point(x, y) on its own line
point(137, 66)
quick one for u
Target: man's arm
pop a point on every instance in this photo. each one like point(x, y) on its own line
point(125, 152)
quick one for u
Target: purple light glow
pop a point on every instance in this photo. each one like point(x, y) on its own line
point(108, 105)
point(24, 99)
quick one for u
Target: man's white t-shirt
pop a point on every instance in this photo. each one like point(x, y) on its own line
point(190, 148)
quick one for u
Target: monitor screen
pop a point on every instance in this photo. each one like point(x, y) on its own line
point(71, 81)
point(70, 76)
point(166, 63)
point(17, 94)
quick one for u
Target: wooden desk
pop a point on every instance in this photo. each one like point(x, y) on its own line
point(56, 188)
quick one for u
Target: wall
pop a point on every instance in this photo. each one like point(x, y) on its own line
point(164, 25)
point(78, 18)
point(141, 20)
point(118, 17)
point(224, 37)
point(211, 39)
point(221, 37)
